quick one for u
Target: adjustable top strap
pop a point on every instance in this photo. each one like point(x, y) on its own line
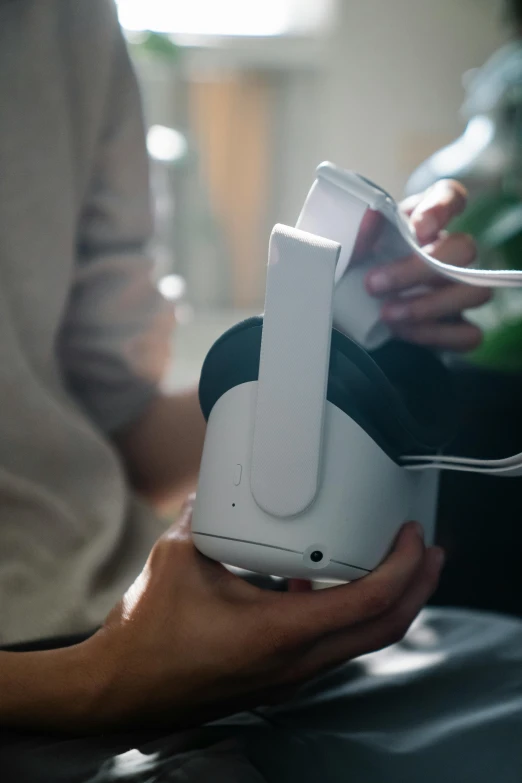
point(293, 371)
point(335, 212)
point(377, 199)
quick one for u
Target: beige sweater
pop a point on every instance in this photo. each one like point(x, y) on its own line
point(82, 327)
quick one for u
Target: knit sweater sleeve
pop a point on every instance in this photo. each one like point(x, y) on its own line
point(116, 333)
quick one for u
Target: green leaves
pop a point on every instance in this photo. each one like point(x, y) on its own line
point(156, 44)
point(495, 222)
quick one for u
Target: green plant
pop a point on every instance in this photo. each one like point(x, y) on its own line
point(495, 221)
point(153, 44)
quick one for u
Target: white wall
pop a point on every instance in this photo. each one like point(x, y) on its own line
point(389, 93)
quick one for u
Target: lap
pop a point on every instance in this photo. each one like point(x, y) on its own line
point(445, 704)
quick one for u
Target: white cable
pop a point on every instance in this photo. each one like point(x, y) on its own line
point(509, 466)
point(487, 278)
point(334, 209)
point(466, 468)
point(342, 182)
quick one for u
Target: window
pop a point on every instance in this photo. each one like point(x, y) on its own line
point(260, 18)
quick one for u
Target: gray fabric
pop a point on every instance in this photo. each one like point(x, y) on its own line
point(83, 331)
point(444, 706)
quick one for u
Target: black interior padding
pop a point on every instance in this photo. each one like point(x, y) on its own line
point(400, 394)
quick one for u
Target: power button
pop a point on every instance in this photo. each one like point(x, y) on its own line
point(237, 475)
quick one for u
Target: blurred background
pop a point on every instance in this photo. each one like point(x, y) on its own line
point(244, 99)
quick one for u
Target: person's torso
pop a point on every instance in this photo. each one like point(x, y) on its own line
point(68, 542)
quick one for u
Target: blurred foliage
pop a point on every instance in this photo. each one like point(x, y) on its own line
point(495, 222)
point(156, 45)
point(501, 348)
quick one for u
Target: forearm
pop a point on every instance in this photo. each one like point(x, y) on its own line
point(51, 690)
point(162, 449)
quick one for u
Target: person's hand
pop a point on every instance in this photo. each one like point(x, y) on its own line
point(191, 642)
point(434, 317)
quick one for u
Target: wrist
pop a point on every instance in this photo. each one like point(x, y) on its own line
point(107, 700)
point(54, 690)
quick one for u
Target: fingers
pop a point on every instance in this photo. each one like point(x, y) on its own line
point(379, 632)
point(417, 318)
point(303, 617)
point(439, 303)
point(455, 249)
point(458, 336)
point(436, 208)
point(408, 204)
point(176, 553)
point(430, 213)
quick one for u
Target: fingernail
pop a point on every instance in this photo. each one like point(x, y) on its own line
point(419, 530)
point(416, 528)
point(378, 282)
point(426, 226)
point(397, 312)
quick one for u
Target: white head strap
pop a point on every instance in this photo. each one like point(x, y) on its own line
point(293, 371)
point(334, 209)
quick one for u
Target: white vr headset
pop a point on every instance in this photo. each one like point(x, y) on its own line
point(324, 434)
